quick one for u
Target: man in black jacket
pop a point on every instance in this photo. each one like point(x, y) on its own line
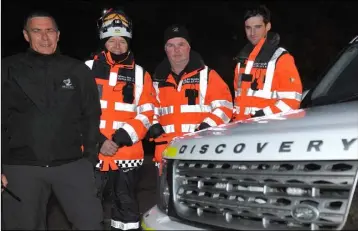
point(50, 124)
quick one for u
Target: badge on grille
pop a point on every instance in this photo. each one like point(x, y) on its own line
point(305, 213)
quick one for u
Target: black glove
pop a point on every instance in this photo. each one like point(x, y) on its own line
point(258, 113)
point(155, 131)
point(202, 126)
point(122, 138)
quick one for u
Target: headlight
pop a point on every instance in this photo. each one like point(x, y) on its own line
point(164, 194)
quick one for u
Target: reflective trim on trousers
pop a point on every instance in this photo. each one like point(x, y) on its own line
point(124, 226)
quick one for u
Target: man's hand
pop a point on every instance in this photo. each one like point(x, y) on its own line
point(3, 181)
point(109, 148)
point(202, 126)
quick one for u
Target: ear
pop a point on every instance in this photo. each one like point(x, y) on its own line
point(26, 35)
point(58, 36)
point(268, 27)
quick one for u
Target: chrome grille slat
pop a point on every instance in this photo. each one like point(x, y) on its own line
point(231, 203)
point(262, 195)
point(270, 187)
point(281, 178)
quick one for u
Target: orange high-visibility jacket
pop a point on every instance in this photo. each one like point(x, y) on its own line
point(134, 117)
point(266, 80)
point(200, 96)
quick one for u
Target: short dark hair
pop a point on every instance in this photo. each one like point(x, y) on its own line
point(39, 13)
point(261, 10)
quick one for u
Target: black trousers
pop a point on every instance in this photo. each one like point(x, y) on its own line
point(123, 194)
point(73, 184)
point(56, 217)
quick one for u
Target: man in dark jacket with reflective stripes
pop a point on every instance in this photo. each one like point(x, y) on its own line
point(50, 127)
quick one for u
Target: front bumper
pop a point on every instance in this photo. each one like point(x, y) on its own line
point(154, 219)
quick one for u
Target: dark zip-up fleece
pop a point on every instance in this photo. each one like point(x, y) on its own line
point(49, 110)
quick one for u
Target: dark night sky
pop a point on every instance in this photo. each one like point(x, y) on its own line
point(312, 31)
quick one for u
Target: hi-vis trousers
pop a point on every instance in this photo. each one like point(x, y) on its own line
point(122, 184)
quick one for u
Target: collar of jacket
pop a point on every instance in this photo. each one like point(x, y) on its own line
point(33, 57)
point(127, 63)
point(195, 63)
point(268, 48)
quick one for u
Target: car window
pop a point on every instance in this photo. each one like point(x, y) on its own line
point(340, 83)
point(347, 82)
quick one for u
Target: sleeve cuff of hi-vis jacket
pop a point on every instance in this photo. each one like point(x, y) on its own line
point(210, 122)
point(122, 138)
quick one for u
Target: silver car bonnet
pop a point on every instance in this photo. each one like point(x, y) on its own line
point(324, 133)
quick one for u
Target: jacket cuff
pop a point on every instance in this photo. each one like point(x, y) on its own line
point(156, 130)
point(122, 138)
point(91, 153)
point(102, 138)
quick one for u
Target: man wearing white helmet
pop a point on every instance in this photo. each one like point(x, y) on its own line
point(127, 100)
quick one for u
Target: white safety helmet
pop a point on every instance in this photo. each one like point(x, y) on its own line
point(114, 23)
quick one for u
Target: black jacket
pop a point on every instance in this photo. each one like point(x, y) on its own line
point(49, 109)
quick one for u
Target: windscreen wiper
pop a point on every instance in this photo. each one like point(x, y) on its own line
point(325, 100)
point(349, 98)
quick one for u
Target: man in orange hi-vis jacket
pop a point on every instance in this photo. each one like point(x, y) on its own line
point(191, 95)
point(266, 79)
point(127, 99)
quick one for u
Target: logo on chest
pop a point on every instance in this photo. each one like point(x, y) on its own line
point(192, 80)
point(124, 78)
point(67, 84)
point(260, 65)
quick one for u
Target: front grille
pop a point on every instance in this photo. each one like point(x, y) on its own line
point(264, 195)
